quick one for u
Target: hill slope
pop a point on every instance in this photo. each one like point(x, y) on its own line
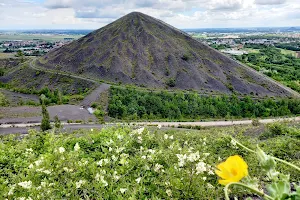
point(138, 49)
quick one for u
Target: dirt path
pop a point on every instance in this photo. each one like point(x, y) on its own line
point(94, 95)
point(217, 123)
point(31, 64)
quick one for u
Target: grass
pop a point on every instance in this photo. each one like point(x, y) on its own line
point(130, 163)
point(7, 55)
point(288, 52)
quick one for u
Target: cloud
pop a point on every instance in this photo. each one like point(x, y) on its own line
point(56, 4)
point(269, 2)
point(226, 4)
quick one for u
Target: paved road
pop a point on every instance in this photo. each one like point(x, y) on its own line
point(23, 128)
point(218, 123)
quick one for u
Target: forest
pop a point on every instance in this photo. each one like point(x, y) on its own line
point(284, 68)
point(132, 104)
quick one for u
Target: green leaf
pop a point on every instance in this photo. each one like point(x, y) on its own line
point(279, 190)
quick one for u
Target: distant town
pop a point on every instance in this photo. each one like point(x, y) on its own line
point(229, 41)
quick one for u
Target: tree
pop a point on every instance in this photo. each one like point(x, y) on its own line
point(45, 125)
point(57, 122)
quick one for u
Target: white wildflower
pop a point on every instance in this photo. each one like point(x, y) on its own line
point(22, 198)
point(204, 143)
point(110, 142)
point(144, 157)
point(159, 126)
point(166, 136)
point(67, 169)
point(204, 178)
point(181, 159)
point(120, 137)
point(11, 190)
point(171, 137)
point(115, 176)
point(61, 149)
point(76, 147)
point(219, 158)
point(210, 186)
point(206, 154)
point(152, 151)
point(139, 131)
point(47, 171)
point(119, 150)
point(43, 184)
point(25, 184)
point(193, 157)
point(200, 167)
point(102, 162)
point(80, 183)
point(29, 150)
point(92, 129)
point(139, 139)
point(38, 162)
point(233, 142)
point(114, 158)
point(211, 172)
point(123, 190)
point(110, 149)
point(83, 163)
point(157, 167)
point(169, 192)
point(51, 184)
point(30, 166)
point(138, 180)
point(100, 178)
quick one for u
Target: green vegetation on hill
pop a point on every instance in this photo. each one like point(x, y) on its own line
point(272, 62)
point(134, 104)
point(122, 163)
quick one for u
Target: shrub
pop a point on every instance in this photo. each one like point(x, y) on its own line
point(255, 122)
point(171, 82)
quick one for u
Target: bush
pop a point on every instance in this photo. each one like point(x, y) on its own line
point(255, 122)
point(171, 82)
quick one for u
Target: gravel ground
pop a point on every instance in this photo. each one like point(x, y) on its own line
point(94, 95)
point(15, 97)
point(27, 114)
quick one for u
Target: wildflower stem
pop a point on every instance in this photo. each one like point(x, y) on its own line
point(278, 159)
point(287, 163)
point(248, 187)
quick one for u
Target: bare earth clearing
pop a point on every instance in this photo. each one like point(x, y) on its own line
point(27, 114)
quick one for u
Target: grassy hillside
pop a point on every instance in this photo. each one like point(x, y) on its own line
point(141, 50)
point(122, 163)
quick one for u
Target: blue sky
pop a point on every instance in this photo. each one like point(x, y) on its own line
point(93, 14)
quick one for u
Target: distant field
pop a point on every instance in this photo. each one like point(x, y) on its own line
point(250, 50)
point(287, 52)
point(45, 37)
point(6, 55)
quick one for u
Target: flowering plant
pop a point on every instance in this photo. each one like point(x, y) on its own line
point(235, 169)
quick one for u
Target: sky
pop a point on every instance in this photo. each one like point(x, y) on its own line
point(94, 14)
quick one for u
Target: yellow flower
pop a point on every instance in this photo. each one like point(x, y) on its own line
point(232, 170)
